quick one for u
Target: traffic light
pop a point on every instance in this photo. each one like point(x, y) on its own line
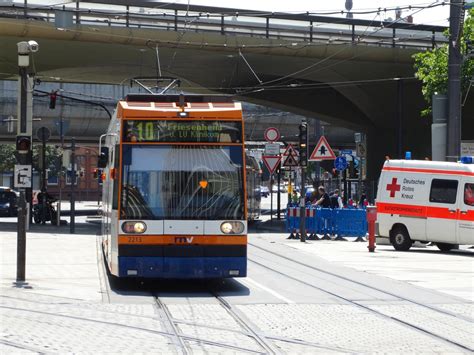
point(52, 100)
point(23, 144)
point(351, 170)
point(303, 143)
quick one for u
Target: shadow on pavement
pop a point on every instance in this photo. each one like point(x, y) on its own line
point(460, 252)
point(275, 226)
point(177, 288)
point(80, 228)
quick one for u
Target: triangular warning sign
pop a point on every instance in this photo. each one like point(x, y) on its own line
point(271, 162)
point(290, 160)
point(322, 151)
point(290, 151)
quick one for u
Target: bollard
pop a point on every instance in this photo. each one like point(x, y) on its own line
point(371, 218)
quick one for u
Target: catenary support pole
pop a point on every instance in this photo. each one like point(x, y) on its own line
point(454, 80)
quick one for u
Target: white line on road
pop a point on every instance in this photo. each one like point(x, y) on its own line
point(274, 293)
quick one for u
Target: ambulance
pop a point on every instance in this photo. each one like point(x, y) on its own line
point(426, 201)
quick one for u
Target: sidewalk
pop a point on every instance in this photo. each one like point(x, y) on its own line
point(57, 263)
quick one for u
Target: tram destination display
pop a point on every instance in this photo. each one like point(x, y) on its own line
point(182, 131)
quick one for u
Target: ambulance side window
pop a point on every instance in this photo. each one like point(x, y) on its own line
point(443, 191)
point(469, 194)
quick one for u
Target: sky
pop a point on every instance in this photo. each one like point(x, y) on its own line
point(434, 16)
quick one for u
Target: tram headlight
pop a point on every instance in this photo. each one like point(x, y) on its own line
point(233, 227)
point(134, 227)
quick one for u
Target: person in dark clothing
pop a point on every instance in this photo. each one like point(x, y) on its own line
point(336, 200)
point(324, 200)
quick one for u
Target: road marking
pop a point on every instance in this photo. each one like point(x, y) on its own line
point(274, 293)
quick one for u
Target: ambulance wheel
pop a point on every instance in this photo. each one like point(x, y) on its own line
point(400, 239)
point(445, 246)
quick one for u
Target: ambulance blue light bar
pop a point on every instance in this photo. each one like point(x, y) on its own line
point(467, 160)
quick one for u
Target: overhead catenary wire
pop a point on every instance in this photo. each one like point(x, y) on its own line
point(287, 45)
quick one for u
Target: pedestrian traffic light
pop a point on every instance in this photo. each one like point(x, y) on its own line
point(52, 100)
point(23, 144)
point(303, 143)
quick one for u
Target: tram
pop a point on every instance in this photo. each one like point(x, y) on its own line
point(174, 188)
point(254, 195)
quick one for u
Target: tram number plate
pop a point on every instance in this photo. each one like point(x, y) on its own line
point(134, 239)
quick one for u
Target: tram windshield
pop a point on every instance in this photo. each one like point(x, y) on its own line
point(182, 182)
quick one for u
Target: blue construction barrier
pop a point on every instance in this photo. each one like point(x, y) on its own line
point(293, 219)
point(343, 222)
point(350, 222)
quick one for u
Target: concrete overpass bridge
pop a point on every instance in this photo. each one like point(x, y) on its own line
point(355, 74)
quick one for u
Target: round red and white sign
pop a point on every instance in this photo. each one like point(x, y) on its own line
point(271, 134)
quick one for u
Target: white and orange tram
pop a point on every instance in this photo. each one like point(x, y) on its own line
point(174, 188)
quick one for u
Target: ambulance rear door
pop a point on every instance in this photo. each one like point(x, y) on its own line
point(441, 221)
point(466, 212)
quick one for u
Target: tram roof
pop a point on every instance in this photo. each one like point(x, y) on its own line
point(171, 106)
point(177, 97)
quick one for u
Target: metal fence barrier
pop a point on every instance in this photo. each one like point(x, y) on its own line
point(339, 222)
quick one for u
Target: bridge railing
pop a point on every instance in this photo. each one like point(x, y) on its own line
point(296, 28)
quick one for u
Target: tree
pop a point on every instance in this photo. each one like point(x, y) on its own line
point(432, 66)
point(53, 156)
point(7, 157)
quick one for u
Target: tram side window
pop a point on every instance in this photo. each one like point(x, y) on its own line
point(469, 194)
point(443, 191)
point(116, 178)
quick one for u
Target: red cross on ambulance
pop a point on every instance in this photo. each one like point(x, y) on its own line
point(393, 187)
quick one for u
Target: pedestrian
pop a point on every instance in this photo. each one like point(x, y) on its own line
point(324, 200)
point(336, 200)
point(363, 200)
point(295, 197)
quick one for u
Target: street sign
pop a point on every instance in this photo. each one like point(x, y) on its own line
point(290, 160)
point(322, 151)
point(43, 134)
point(22, 176)
point(271, 162)
point(346, 151)
point(290, 151)
point(272, 149)
point(340, 163)
point(271, 134)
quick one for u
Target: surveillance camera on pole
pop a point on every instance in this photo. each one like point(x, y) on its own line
point(23, 145)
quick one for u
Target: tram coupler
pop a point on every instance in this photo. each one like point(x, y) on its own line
point(371, 219)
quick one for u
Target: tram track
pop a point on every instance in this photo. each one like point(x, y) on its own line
point(245, 324)
point(361, 305)
point(181, 339)
point(177, 322)
point(326, 272)
point(147, 330)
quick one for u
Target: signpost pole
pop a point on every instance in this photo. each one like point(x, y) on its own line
point(303, 207)
point(279, 192)
point(22, 159)
point(72, 225)
point(271, 197)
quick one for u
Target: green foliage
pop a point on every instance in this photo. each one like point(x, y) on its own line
point(7, 157)
point(432, 66)
point(53, 156)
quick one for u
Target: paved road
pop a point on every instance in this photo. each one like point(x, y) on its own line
point(314, 297)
